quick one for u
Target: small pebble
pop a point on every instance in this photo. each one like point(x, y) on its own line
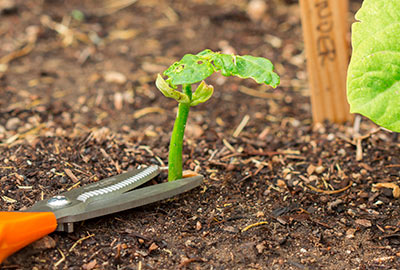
point(198, 226)
point(256, 9)
point(260, 248)
point(320, 169)
point(351, 212)
point(13, 123)
point(350, 233)
point(114, 77)
point(231, 229)
point(330, 137)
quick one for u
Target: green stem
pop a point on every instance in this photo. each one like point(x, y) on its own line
point(176, 143)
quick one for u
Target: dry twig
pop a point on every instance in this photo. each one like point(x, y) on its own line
point(80, 241)
point(329, 192)
point(254, 225)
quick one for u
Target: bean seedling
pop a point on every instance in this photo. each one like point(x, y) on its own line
point(193, 69)
point(373, 81)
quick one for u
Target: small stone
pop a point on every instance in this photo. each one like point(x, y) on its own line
point(231, 229)
point(194, 131)
point(330, 137)
point(260, 248)
point(118, 101)
point(310, 169)
point(320, 169)
point(351, 212)
point(44, 243)
point(13, 123)
point(259, 214)
point(256, 9)
point(342, 152)
point(198, 226)
point(280, 183)
point(114, 77)
point(350, 233)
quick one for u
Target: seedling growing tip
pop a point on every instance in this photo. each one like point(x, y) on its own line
point(192, 69)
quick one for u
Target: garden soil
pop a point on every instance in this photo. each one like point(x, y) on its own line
point(78, 104)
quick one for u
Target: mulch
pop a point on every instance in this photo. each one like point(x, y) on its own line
point(79, 104)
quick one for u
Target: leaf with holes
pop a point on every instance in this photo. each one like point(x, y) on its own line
point(195, 68)
point(192, 69)
point(373, 82)
point(247, 66)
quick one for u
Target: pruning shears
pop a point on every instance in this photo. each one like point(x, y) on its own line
point(114, 194)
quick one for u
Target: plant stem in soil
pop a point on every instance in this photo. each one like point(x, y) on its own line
point(176, 143)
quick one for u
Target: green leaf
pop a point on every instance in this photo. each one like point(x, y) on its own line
point(191, 69)
point(195, 68)
point(373, 81)
point(258, 68)
point(169, 92)
point(202, 94)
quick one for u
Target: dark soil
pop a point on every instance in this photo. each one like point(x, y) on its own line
point(308, 189)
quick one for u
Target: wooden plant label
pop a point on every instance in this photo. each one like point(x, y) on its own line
point(325, 28)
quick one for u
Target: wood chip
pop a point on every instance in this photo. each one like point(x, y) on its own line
point(90, 265)
point(152, 247)
point(393, 186)
point(363, 222)
point(71, 175)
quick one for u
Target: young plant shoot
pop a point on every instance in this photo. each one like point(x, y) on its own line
point(373, 80)
point(192, 69)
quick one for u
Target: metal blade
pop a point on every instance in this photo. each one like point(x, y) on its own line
point(134, 198)
point(75, 202)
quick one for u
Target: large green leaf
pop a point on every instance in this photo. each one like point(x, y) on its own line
point(373, 82)
point(195, 68)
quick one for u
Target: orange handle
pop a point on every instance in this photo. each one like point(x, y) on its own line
point(18, 229)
